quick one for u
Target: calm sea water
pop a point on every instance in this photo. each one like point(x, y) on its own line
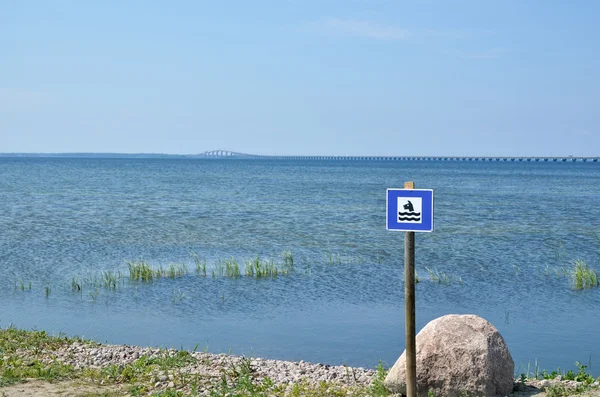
point(504, 235)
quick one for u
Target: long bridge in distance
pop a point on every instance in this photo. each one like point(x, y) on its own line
point(225, 154)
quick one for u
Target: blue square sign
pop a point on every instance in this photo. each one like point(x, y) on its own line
point(409, 210)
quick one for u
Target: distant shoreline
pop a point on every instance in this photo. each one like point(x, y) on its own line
point(225, 155)
point(97, 155)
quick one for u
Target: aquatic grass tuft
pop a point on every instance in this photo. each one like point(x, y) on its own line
point(232, 268)
point(288, 259)
point(94, 294)
point(255, 267)
point(109, 279)
point(258, 268)
point(76, 284)
point(249, 267)
point(583, 276)
point(141, 271)
point(219, 269)
point(441, 278)
point(174, 271)
point(20, 284)
point(200, 264)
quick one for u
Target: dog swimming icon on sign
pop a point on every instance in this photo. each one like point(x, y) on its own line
point(409, 209)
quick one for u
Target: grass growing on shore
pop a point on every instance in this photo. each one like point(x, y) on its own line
point(30, 355)
point(21, 356)
point(27, 355)
point(536, 373)
point(586, 381)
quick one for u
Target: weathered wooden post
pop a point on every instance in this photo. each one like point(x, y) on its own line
point(409, 309)
point(410, 210)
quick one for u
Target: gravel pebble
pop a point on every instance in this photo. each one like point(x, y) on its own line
point(82, 355)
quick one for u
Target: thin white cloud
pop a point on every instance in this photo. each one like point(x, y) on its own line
point(361, 28)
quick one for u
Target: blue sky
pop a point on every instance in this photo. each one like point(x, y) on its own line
point(301, 77)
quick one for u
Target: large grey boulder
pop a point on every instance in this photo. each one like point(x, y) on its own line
point(457, 354)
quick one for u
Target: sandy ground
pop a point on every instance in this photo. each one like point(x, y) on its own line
point(38, 388)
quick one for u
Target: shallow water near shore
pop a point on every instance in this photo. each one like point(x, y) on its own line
point(505, 238)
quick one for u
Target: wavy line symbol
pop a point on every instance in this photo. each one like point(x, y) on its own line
point(409, 216)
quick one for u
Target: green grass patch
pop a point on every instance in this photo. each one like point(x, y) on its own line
point(200, 263)
point(583, 276)
point(28, 354)
point(141, 271)
point(20, 351)
point(259, 268)
point(580, 375)
point(232, 268)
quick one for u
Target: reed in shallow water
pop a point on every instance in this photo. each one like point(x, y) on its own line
point(258, 268)
point(200, 264)
point(583, 276)
point(232, 268)
point(141, 271)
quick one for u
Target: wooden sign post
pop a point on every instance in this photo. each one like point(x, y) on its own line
point(409, 309)
point(410, 210)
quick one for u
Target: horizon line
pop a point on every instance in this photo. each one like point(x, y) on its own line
point(238, 154)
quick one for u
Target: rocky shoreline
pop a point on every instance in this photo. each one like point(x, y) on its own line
point(84, 355)
point(154, 371)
